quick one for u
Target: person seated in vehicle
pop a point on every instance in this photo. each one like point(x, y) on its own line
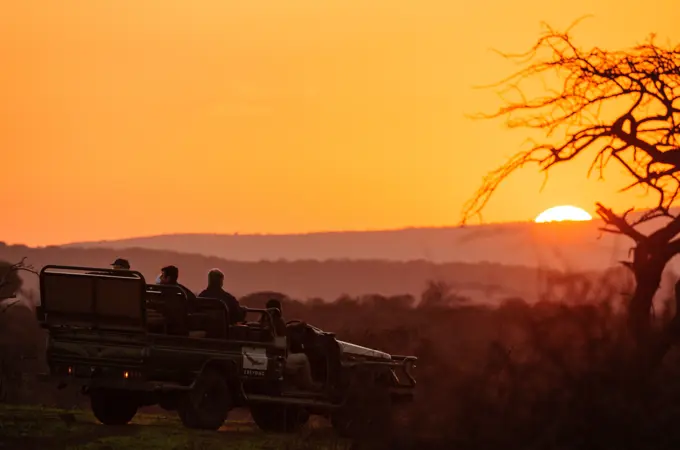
point(297, 363)
point(119, 264)
point(215, 290)
point(169, 276)
point(276, 314)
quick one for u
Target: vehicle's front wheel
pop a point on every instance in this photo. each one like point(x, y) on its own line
point(279, 418)
point(113, 407)
point(207, 405)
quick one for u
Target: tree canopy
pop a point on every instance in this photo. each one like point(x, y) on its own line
point(620, 106)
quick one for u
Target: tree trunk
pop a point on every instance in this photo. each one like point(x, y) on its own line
point(657, 349)
point(651, 254)
point(639, 311)
point(651, 345)
point(647, 282)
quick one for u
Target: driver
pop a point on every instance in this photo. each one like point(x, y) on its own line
point(297, 363)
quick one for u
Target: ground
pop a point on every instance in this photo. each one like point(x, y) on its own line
point(42, 428)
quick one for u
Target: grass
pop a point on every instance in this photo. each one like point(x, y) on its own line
point(36, 427)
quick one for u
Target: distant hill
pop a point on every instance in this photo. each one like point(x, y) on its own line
point(576, 245)
point(484, 282)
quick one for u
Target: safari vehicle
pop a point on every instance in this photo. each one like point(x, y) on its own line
point(130, 344)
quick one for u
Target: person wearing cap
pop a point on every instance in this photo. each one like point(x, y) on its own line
point(120, 264)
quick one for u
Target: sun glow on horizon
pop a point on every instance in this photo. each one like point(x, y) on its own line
point(563, 213)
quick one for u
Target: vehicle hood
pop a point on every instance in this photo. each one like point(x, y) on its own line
point(358, 350)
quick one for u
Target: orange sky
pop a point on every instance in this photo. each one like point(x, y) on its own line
point(136, 117)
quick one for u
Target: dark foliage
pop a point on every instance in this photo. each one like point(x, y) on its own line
point(547, 375)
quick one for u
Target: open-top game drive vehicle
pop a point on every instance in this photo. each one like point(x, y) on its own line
point(131, 344)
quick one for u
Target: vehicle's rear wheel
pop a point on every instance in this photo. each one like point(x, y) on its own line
point(113, 407)
point(366, 415)
point(279, 418)
point(207, 405)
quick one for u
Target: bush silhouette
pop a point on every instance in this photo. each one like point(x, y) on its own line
point(517, 375)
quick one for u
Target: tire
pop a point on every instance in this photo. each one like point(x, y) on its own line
point(207, 405)
point(279, 418)
point(366, 415)
point(113, 407)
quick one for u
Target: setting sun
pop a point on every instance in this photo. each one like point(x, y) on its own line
point(562, 214)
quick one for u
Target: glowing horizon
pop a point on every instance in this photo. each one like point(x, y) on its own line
point(563, 213)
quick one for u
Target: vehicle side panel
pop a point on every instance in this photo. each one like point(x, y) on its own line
point(81, 356)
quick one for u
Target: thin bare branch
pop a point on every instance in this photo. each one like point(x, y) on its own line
point(639, 88)
point(9, 277)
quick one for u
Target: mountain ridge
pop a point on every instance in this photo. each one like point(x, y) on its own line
point(328, 280)
point(523, 244)
point(559, 245)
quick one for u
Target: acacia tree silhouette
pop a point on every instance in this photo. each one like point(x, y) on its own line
point(617, 107)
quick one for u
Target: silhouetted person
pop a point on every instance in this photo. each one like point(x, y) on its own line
point(169, 276)
point(279, 324)
point(297, 363)
point(120, 264)
point(216, 290)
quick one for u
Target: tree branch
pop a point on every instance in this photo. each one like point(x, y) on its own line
point(620, 224)
point(6, 279)
point(642, 83)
